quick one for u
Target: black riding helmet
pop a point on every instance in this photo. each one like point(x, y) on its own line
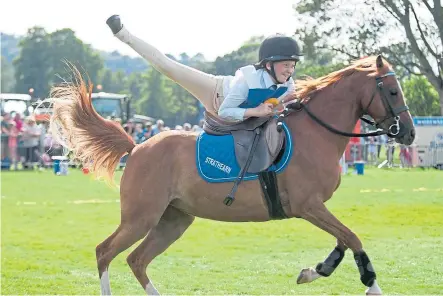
point(277, 48)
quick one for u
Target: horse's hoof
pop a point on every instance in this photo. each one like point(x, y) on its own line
point(114, 23)
point(307, 275)
point(374, 289)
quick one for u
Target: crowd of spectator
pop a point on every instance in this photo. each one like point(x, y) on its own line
point(140, 132)
point(21, 139)
point(26, 143)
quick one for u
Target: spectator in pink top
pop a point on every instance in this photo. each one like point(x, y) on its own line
point(18, 122)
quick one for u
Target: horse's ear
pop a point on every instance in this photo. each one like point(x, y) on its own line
point(379, 61)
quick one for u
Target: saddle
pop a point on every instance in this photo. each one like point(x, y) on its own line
point(257, 145)
point(269, 142)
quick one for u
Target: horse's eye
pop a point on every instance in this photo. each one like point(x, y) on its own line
point(393, 92)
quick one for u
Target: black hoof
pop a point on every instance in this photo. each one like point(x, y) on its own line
point(114, 23)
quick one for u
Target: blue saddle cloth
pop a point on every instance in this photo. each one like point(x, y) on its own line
point(216, 161)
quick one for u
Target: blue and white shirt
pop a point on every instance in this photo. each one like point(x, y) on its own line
point(236, 90)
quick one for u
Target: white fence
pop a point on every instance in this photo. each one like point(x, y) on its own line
point(393, 155)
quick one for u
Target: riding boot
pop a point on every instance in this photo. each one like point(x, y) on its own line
point(114, 23)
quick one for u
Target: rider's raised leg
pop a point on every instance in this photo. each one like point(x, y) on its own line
point(205, 87)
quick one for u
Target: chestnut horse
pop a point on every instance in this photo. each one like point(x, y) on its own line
point(161, 191)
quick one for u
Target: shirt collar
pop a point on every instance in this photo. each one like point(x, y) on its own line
point(267, 79)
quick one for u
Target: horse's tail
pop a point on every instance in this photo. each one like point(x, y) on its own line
point(96, 142)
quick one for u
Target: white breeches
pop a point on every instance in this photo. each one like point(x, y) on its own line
point(207, 88)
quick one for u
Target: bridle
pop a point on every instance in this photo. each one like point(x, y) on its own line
point(391, 112)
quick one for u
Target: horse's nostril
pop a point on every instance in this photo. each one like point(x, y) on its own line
point(413, 133)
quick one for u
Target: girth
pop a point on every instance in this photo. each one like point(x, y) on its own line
point(257, 145)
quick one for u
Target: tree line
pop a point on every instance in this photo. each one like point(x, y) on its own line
point(416, 54)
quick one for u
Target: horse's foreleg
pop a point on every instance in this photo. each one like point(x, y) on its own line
point(171, 226)
point(320, 216)
point(326, 268)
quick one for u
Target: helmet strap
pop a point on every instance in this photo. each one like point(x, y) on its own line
point(272, 73)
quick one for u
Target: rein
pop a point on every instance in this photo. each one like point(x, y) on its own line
point(297, 106)
point(392, 131)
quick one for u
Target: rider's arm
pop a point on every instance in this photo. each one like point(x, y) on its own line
point(238, 93)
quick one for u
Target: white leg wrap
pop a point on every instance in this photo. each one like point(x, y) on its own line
point(151, 290)
point(105, 287)
point(374, 289)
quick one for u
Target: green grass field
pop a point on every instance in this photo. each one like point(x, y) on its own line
point(51, 225)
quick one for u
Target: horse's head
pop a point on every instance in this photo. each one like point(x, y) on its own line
point(386, 104)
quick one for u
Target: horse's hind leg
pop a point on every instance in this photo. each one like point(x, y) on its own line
point(326, 268)
point(171, 226)
point(137, 220)
point(123, 237)
point(319, 215)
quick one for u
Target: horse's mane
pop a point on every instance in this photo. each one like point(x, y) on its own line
point(308, 86)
